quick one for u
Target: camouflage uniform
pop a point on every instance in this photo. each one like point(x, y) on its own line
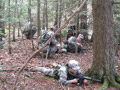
point(71, 44)
point(51, 47)
point(29, 30)
point(63, 73)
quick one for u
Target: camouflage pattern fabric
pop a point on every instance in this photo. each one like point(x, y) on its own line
point(71, 45)
point(51, 47)
point(62, 73)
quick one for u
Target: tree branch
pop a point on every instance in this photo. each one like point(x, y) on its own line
point(115, 2)
point(66, 22)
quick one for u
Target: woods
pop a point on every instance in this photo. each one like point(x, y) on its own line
point(97, 20)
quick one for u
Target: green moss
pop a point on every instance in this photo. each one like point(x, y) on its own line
point(114, 83)
point(105, 85)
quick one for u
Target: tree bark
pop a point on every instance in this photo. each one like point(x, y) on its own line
point(103, 66)
point(46, 14)
point(9, 40)
point(38, 18)
point(43, 18)
point(56, 18)
point(14, 25)
point(30, 19)
point(1, 26)
point(83, 24)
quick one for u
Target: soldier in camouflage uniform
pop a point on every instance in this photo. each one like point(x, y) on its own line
point(51, 47)
point(73, 42)
point(63, 72)
point(29, 30)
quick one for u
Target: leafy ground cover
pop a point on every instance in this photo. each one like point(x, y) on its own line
point(36, 80)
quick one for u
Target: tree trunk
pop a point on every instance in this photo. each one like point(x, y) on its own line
point(18, 16)
point(46, 15)
point(83, 24)
point(14, 25)
point(77, 19)
point(43, 18)
point(56, 18)
point(103, 66)
point(59, 22)
point(31, 20)
point(3, 16)
point(29, 11)
point(1, 27)
point(9, 40)
point(77, 26)
point(38, 18)
point(60, 13)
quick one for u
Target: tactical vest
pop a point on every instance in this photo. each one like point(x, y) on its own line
point(56, 71)
point(72, 48)
point(70, 75)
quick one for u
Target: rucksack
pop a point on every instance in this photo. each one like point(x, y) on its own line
point(56, 71)
point(45, 37)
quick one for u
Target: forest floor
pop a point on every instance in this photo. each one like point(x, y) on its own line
point(36, 80)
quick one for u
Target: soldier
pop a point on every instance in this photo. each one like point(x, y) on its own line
point(51, 47)
point(29, 30)
point(64, 73)
point(73, 42)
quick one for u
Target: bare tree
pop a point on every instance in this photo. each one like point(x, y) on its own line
point(46, 14)
point(2, 23)
point(56, 18)
point(18, 16)
point(9, 40)
point(1, 26)
point(83, 19)
point(14, 25)
point(38, 18)
point(30, 20)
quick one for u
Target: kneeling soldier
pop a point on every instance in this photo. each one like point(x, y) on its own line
point(72, 43)
point(51, 47)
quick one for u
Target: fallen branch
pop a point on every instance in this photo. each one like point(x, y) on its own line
point(14, 70)
point(66, 22)
point(6, 70)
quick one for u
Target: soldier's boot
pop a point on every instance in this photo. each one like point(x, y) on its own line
point(64, 50)
point(31, 69)
point(50, 55)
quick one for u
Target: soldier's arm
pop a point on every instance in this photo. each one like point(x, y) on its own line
point(79, 45)
point(72, 40)
point(63, 76)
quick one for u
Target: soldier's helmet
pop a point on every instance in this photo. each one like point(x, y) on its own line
point(81, 36)
point(52, 28)
point(73, 64)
